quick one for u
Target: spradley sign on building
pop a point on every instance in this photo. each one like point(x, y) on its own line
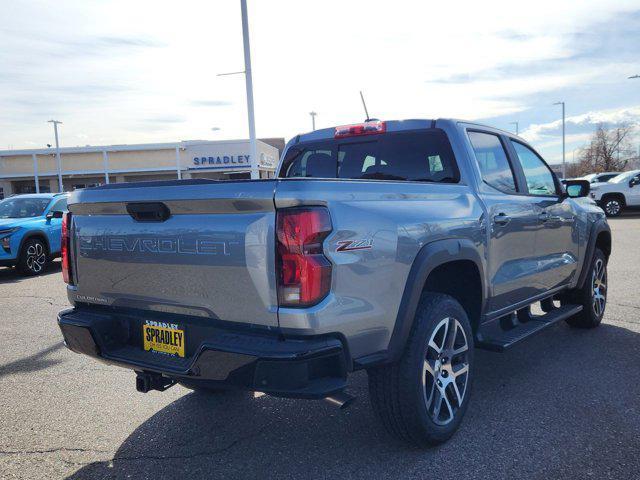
point(218, 161)
point(227, 156)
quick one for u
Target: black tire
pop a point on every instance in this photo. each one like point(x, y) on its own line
point(596, 282)
point(613, 205)
point(34, 257)
point(404, 395)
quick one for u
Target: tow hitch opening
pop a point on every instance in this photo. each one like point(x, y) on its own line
point(152, 381)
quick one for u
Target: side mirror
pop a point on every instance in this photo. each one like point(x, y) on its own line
point(55, 214)
point(577, 188)
point(633, 182)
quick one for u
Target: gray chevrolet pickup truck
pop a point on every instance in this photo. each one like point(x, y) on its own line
point(395, 247)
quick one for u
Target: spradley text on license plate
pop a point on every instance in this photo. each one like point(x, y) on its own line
point(163, 337)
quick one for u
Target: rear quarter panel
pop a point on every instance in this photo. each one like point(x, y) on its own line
point(397, 219)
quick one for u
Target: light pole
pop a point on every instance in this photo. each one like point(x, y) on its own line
point(517, 129)
point(564, 166)
point(249, 84)
point(253, 145)
point(313, 120)
point(58, 162)
point(633, 77)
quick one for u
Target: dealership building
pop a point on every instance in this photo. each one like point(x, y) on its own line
point(35, 171)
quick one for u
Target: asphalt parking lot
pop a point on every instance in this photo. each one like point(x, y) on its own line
point(565, 404)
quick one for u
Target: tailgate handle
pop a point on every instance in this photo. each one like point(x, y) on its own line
point(148, 212)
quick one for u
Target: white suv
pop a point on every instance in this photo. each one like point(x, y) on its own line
point(618, 193)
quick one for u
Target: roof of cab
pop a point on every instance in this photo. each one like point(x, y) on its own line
point(39, 195)
point(394, 126)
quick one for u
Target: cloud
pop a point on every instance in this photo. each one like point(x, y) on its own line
point(129, 42)
point(586, 121)
point(211, 103)
point(166, 119)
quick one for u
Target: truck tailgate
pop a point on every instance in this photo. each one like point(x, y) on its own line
point(199, 248)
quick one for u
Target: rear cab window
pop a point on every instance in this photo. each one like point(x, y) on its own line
point(417, 155)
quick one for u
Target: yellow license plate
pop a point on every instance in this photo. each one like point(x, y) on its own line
point(163, 339)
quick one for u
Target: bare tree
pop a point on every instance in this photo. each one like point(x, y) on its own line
point(608, 150)
point(577, 169)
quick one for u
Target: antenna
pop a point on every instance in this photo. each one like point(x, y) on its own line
point(366, 112)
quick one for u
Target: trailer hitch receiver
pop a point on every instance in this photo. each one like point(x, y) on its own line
point(146, 381)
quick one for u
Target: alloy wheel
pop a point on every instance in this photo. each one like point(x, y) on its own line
point(612, 207)
point(446, 371)
point(36, 257)
point(599, 287)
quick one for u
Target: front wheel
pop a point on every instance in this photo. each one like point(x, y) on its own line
point(34, 257)
point(422, 398)
point(592, 296)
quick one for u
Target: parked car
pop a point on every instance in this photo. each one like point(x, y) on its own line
point(395, 247)
point(618, 194)
point(30, 231)
point(599, 177)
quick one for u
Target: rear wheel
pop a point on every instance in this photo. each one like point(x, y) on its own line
point(34, 257)
point(422, 398)
point(592, 296)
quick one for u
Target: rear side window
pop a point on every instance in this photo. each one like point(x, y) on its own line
point(493, 162)
point(415, 156)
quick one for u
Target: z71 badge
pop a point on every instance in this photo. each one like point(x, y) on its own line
point(349, 245)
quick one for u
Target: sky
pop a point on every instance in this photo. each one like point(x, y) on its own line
point(117, 72)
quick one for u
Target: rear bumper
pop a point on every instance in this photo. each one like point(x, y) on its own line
point(217, 356)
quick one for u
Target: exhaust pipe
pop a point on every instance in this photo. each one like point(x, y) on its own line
point(341, 400)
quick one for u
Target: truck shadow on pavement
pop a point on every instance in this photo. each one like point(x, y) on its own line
point(32, 363)
point(563, 404)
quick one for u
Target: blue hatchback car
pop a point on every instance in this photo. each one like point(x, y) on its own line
point(30, 230)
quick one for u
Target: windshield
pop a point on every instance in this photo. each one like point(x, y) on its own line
point(23, 207)
point(623, 176)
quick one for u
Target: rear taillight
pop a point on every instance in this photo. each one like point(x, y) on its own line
point(366, 128)
point(304, 273)
point(65, 247)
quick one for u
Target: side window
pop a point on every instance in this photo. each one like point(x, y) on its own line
point(59, 206)
point(493, 162)
point(539, 178)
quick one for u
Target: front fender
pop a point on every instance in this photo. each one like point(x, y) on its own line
point(597, 227)
point(34, 233)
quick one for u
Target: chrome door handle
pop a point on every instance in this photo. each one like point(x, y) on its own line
point(501, 219)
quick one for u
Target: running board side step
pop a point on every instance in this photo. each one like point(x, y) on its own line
point(495, 337)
